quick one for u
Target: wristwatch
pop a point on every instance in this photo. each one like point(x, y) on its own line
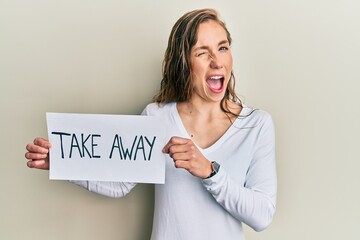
point(215, 168)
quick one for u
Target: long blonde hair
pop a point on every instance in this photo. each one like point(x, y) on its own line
point(176, 73)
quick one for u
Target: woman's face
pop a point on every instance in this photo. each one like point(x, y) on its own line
point(211, 62)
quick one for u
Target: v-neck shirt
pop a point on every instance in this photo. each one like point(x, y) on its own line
point(184, 132)
point(243, 191)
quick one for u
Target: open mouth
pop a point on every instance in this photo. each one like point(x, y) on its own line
point(215, 83)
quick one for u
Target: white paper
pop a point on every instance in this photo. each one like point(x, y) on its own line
point(102, 147)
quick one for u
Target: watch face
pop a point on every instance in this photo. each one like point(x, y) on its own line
point(216, 166)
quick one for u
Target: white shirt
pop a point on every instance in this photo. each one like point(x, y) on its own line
point(243, 191)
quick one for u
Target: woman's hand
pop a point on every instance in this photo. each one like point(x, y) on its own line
point(38, 154)
point(186, 155)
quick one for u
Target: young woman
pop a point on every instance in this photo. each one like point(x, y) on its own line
point(220, 168)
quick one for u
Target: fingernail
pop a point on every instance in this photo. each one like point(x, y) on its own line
point(28, 164)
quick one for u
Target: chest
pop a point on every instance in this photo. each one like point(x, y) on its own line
point(234, 152)
point(205, 132)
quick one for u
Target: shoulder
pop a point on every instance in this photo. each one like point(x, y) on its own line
point(259, 124)
point(154, 109)
point(255, 118)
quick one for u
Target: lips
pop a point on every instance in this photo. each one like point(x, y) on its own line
point(215, 83)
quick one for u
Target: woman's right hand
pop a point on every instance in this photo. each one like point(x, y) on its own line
point(38, 154)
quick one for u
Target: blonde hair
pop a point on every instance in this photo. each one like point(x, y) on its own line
point(176, 73)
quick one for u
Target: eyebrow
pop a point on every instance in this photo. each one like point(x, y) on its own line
point(206, 47)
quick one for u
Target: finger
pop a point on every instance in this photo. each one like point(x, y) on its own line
point(183, 148)
point(174, 141)
point(181, 164)
point(40, 164)
point(183, 156)
point(36, 149)
point(185, 152)
point(42, 142)
point(35, 156)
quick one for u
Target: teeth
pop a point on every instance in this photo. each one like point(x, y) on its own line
point(215, 77)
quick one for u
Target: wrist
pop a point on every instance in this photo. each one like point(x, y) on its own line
point(214, 169)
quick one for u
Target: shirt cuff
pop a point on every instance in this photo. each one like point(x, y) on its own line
point(216, 181)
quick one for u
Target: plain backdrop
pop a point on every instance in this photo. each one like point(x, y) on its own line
point(298, 60)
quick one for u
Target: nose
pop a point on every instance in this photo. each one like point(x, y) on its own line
point(215, 62)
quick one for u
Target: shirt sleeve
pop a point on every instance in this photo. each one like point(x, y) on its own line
point(254, 203)
point(108, 189)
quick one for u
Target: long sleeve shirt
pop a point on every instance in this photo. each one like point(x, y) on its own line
point(243, 191)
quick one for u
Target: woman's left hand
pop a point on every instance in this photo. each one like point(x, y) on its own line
point(186, 155)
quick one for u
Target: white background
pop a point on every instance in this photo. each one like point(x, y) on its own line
point(299, 60)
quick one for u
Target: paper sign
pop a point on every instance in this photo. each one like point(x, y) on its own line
point(106, 147)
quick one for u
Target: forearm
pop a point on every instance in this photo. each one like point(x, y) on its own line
point(254, 207)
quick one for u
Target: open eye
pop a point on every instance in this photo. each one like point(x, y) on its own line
point(223, 48)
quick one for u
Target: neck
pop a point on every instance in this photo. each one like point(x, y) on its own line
point(205, 122)
point(201, 108)
point(197, 106)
